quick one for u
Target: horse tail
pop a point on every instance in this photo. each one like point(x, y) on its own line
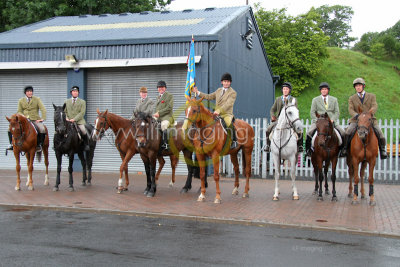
point(39, 156)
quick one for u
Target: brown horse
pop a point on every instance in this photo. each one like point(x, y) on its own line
point(363, 149)
point(25, 140)
point(326, 151)
point(210, 139)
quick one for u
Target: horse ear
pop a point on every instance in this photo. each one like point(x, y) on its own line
point(359, 110)
point(8, 118)
point(64, 106)
point(200, 100)
point(98, 111)
point(105, 112)
point(54, 106)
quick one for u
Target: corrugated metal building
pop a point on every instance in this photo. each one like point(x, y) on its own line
point(117, 54)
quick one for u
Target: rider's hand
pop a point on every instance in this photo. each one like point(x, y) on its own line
point(216, 113)
point(273, 118)
point(39, 120)
point(72, 120)
point(156, 115)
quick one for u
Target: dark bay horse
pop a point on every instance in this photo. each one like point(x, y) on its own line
point(67, 142)
point(326, 151)
point(210, 138)
point(364, 150)
point(25, 140)
point(125, 141)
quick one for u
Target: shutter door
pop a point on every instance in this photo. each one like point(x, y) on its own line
point(51, 87)
point(117, 89)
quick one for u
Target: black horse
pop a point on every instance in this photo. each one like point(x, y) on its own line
point(67, 142)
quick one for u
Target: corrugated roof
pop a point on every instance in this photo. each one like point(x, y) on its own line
point(122, 28)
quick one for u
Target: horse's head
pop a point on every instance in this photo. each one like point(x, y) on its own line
point(290, 115)
point(196, 111)
point(324, 129)
point(142, 125)
point(364, 123)
point(101, 125)
point(16, 127)
point(60, 119)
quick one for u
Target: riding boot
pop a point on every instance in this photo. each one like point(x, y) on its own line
point(382, 148)
point(300, 144)
point(10, 147)
point(86, 142)
point(165, 145)
point(267, 146)
point(40, 140)
point(343, 147)
point(233, 134)
point(308, 146)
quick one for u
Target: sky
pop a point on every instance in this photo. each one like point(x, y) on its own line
point(369, 15)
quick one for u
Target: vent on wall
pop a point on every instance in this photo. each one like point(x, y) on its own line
point(250, 27)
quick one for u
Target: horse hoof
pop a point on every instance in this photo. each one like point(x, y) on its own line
point(184, 190)
point(354, 202)
point(89, 183)
point(83, 184)
point(30, 188)
point(71, 189)
point(55, 189)
point(201, 199)
point(125, 189)
point(372, 203)
point(245, 195)
point(350, 195)
point(17, 188)
point(362, 197)
point(334, 199)
point(314, 193)
point(327, 193)
point(150, 194)
point(275, 198)
point(217, 201)
point(319, 198)
point(171, 184)
point(296, 197)
point(235, 191)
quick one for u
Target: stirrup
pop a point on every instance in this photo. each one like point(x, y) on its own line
point(38, 149)
point(10, 147)
point(165, 146)
point(267, 148)
point(233, 144)
point(383, 155)
point(300, 149)
point(342, 153)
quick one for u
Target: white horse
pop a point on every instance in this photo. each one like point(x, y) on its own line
point(284, 144)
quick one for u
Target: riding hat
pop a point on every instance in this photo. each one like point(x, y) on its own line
point(28, 88)
point(287, 84)
point(161, 84)
point(226, 77)
point(324, 85)
point(358, 81)
point(73, 88)
point(143, 89)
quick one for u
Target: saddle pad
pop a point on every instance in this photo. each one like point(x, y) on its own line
point(337, 134)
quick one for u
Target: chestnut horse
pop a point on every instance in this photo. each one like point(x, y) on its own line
point(363, 149)
point(326, 151)
point(25, 140)
point(211, 139)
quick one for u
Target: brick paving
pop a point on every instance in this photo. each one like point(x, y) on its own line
point(259, 209)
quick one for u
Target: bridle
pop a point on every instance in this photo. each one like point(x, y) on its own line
point(291, 123)
point(102, 125)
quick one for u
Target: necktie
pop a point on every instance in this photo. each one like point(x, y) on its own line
point(223, 92)
point(326, 104)
point(29, 99)
point(73, 101)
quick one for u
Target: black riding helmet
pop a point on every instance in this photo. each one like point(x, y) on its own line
point(289, 85)
point(226, 77)
point(324, 85)
point(28, 88)
point(161, 84)
point(73, 88)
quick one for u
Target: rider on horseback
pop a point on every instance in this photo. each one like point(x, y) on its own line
point(75, 108)
point(276, 110)
point(365, 101)
point(321, 104)
point(29, 107)
point(225, 98)
point(163, 111)
point(144, 104)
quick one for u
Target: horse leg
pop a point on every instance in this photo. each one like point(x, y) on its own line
point(46, 163)
point(18, 169)
point(83, 162)
point(30, 158)
point(189, 163)
point(333, 178)
point(59, 162)
point(320, 180)
point(174, 163)
point(326, 167)
point(89, 164)
point(316, 179)
point(153, 187)
point(351, 176)
point(202, 163)
point(70, 170)
point(362, 175)
point(146, 163)
point(235, 163)
point(124, 169)
point(293, 163)
point(215, 159)
point(246, 153)
point(277, 173)
point(371, 167)
point(27, 155)
point(161, 163)
point(356, 180)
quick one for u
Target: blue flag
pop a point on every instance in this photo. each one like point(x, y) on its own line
point(191, 71)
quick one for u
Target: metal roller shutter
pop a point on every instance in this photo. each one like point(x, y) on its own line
point(117, 89)
point(50, 86)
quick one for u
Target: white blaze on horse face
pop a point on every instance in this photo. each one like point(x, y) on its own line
point(143, 124)
point(95, 134)
point(188, 112)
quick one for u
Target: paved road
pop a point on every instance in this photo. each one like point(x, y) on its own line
point(37, 237)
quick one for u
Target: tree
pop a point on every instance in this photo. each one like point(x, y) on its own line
point(335, 23)
point(377, 50)
point(296, 47)
point(16, 13)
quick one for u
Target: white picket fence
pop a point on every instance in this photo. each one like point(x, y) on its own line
point(386, 171)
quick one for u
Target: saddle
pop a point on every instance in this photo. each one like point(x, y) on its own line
point(219, 118)
point(340, 140)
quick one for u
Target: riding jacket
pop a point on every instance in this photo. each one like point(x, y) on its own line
point(76, 111)
point(31, 109)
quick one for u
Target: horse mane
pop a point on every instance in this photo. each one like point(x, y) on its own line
point(144, 116)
